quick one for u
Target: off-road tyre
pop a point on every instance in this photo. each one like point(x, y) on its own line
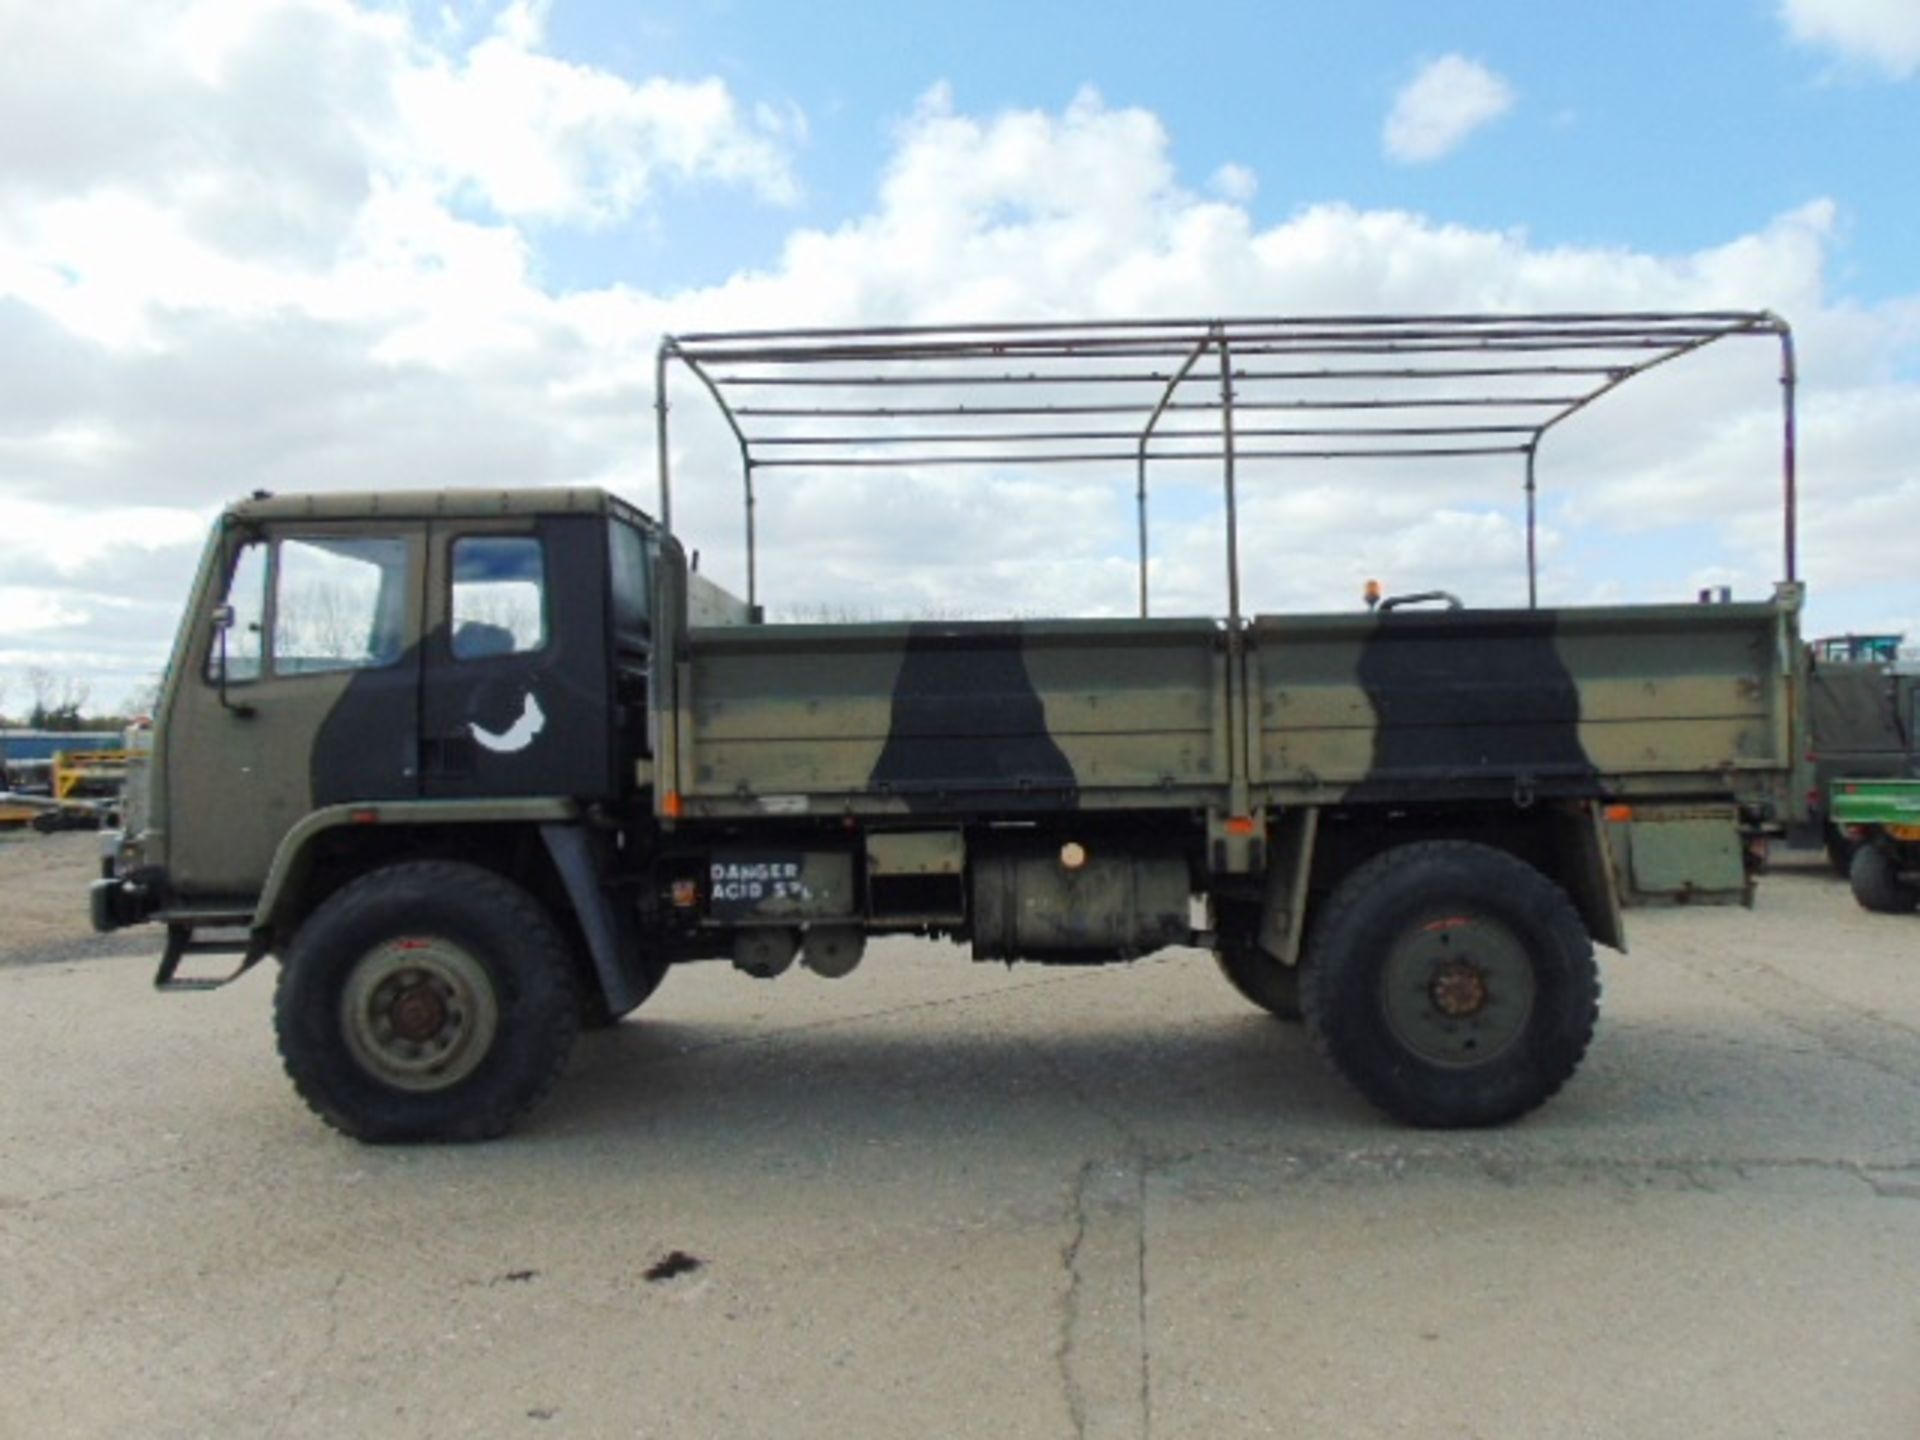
point(1430, 917)
point(1877, 884)
point(592, 1003)
point(494, 937)
point(1261, 979)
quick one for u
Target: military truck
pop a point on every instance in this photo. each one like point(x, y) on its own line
point(1882, 820)
point(481, 767)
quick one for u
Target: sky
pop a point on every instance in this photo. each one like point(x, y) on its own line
point(318, 245)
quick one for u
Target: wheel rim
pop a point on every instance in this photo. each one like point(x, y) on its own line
point(419, 1013)
point(1457, 989)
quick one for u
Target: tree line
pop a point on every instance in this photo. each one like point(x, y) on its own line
point(37, 698)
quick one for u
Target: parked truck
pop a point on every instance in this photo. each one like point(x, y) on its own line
point(1863, 716)
point(481, 767)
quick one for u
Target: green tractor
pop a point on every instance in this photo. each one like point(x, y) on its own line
point(1882, 818)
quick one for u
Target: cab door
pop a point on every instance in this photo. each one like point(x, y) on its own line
point(516, 696)
point(303, 693)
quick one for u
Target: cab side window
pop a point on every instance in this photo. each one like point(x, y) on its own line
point(338, 604)
point(632, 587)
point(245, 641)
point(499, 596)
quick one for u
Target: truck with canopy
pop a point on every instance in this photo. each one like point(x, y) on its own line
point(479, 768)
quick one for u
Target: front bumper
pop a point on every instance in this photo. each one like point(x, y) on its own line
point(117, 903)
point(117, 900)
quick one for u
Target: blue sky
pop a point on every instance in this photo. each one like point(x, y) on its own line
point(1658, 125)
point(359, 244)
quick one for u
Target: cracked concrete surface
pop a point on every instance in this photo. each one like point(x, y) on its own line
point(1103, 1343)
point(948, 1200)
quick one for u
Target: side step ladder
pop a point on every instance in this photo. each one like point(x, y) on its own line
point(251, 948)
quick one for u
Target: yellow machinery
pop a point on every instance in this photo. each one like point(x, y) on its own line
point(82, 787)
point(88, 774)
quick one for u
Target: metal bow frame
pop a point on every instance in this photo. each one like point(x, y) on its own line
point(1135, 392)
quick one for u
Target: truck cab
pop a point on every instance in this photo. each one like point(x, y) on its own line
point(357, 659)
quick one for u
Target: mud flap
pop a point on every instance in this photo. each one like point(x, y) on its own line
point(613, 937)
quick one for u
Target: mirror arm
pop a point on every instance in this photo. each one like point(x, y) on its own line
point(222, 622)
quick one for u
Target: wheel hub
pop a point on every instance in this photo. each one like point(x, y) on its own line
point(1459, 989)
point(419, 1014)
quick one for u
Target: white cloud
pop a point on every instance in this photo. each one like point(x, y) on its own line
point(77, 550)
point(23, 610)
point(1441, 106)
point(538, 138)
point(275, 118)
point(1234, 182)
point(286, 279)
point(1884, 34)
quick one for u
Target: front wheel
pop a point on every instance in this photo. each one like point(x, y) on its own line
point(431, 1000)
point(1451, 984)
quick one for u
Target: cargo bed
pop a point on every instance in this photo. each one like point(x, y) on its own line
point(986, 719)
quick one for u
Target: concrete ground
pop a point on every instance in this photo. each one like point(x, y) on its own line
point(942, 1199)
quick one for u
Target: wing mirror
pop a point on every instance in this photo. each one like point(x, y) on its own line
point(222, 619)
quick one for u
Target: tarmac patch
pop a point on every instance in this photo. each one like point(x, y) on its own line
point(671, 1264)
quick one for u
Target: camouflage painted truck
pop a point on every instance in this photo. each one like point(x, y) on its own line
point(480, 767)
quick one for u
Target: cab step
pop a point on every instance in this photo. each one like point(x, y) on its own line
point(251, 948)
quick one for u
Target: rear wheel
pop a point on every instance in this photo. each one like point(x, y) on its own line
point(1451, 984)
point(427, 1001)
point(1877, 884)
point(1261, 979)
